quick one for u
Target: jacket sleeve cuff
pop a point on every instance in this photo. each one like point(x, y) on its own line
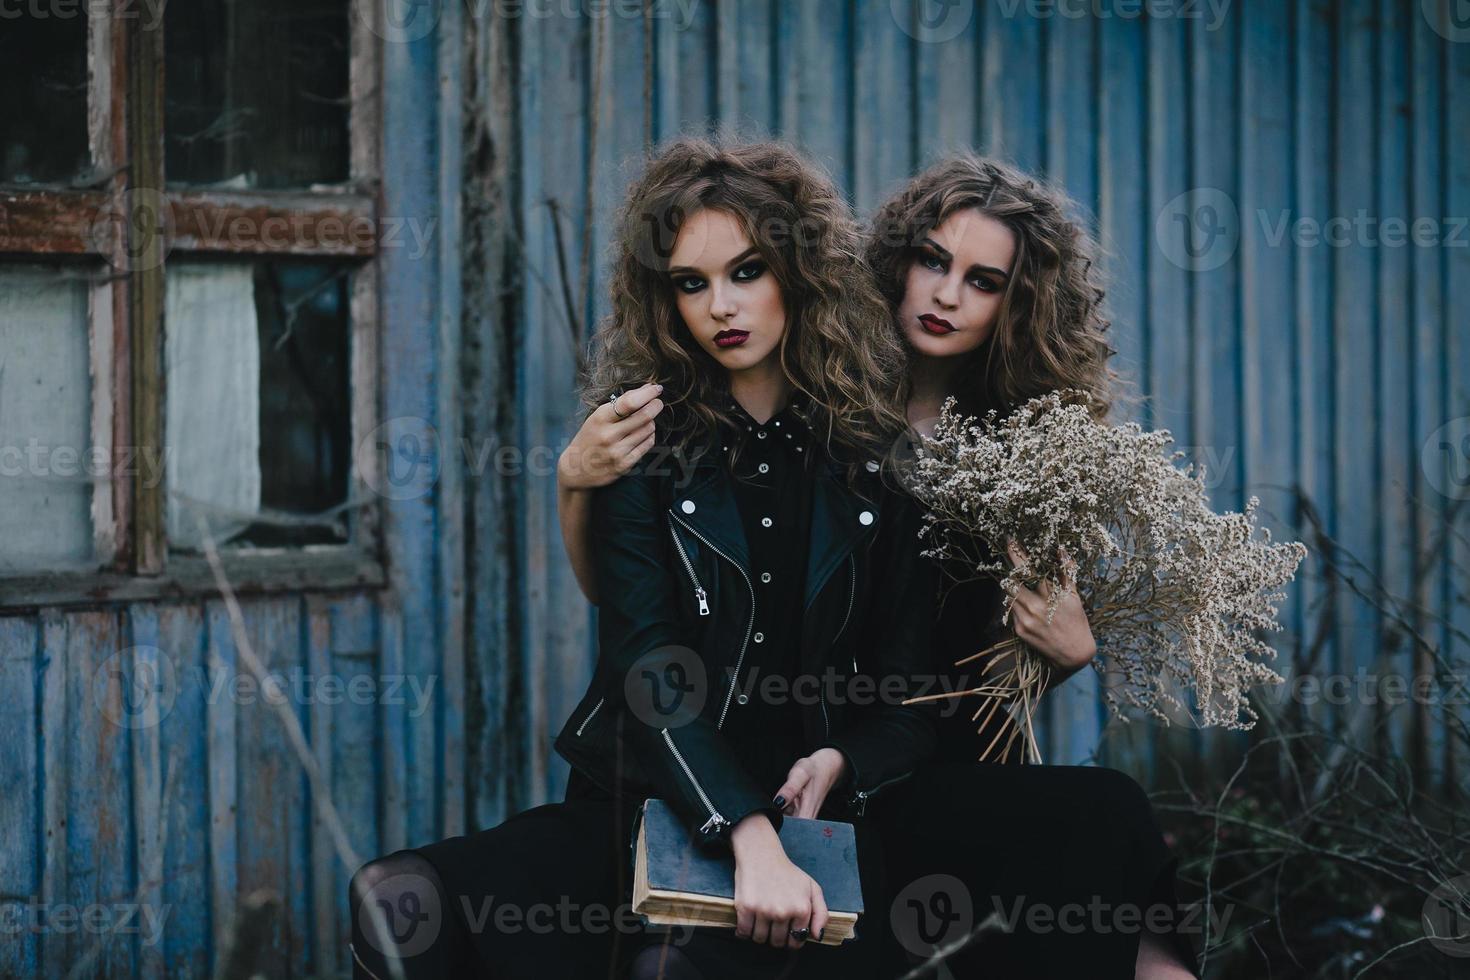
point(848, 782)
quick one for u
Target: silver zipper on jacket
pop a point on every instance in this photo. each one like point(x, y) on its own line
point(586, 721)
point(860, 798)
point(749, 626)
point(699, 594)
point(716, 819)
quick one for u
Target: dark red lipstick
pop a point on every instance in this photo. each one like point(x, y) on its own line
point(937, 325)
point(731, 338)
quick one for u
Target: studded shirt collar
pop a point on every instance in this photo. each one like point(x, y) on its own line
point(787, 428)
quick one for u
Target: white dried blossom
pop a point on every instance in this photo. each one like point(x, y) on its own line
point(1176, 594)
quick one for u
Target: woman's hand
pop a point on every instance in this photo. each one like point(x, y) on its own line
point(809, 782)
point(606, 446)
point(772, 895)
point(1067, 642)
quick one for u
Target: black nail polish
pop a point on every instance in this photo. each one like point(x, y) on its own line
point(779, 801)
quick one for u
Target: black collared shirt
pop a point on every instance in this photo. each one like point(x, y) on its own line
point(773, 478)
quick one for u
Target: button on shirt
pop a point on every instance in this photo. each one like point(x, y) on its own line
point(773, 480)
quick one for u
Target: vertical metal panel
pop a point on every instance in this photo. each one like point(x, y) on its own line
point(271, 819)
point(814, 57)
point(748, 74)
point(328, 879)
point(220, 718)
point(1428, 390)
point(1313, 310)
point(1397, 456)
point(447, 592)
point(1014, 92)
point(1268, 349)
point(884, 135)
point(180, 814)
point(21, 785)
point(86, 850)
point(1455, 162)
point(947, 88)
point(143, 666)
point(351, 735)
point(1355, 306)
point(555, 632)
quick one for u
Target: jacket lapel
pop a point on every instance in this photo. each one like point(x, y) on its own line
point(708, 506)
point(837, 524)
point(837, 527)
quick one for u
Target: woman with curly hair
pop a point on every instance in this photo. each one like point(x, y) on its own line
point(755, 548)
point(993, 287)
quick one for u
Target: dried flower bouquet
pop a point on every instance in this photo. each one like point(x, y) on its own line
point(1175, 593)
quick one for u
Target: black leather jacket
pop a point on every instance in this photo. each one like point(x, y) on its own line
point(674, 627)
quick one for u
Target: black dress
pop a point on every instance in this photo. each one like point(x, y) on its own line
point(571, 861)
point(1067, 855)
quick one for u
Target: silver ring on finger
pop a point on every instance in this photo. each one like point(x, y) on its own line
point(613, 401)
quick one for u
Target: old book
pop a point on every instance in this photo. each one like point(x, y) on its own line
point(678, 882)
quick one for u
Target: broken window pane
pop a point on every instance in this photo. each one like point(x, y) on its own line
point(259, 415)
point(47, 465)
point(256, 92)
point(43, 73)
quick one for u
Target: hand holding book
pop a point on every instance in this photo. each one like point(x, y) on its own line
point(766, 890)
point(773, 897)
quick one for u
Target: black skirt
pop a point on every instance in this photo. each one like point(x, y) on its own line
point(1070, 858)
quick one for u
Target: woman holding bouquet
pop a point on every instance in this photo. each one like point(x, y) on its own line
point(757, 541)
point(995, 293)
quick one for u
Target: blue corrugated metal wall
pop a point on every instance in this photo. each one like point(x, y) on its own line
point(1210, 143)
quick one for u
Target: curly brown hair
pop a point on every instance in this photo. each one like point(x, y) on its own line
point(839, 348)
point(1050, 332)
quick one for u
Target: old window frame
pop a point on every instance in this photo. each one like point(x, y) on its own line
point(125, 112)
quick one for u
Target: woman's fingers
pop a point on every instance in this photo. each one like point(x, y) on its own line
point(632, 439)
point(796, 781)
point(629, 404)
point(820, 915)
point(636, 453)
point(761, 931)
point(744, 923)
point(808, 806)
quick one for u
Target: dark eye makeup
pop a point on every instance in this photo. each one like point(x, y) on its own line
point(746, 272)
point(934, 262)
